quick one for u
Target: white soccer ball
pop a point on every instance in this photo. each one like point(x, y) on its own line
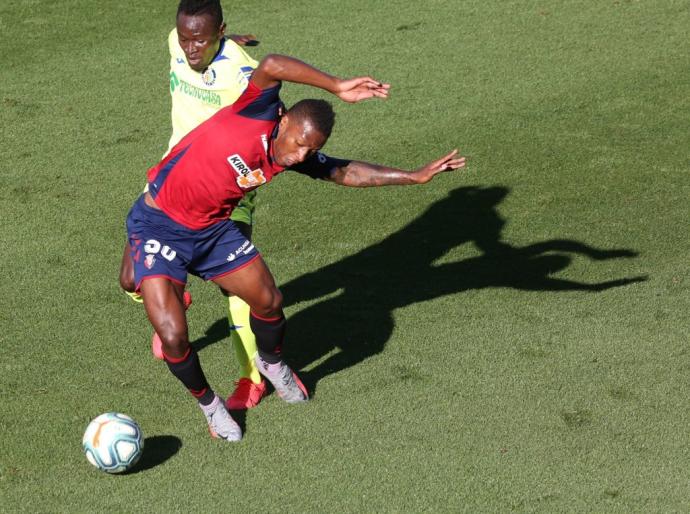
point(113, 442)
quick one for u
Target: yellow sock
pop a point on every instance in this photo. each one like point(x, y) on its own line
point(135, 296)
point(243, 339)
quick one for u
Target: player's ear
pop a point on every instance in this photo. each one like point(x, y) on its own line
point(221, 31)
point(282, 125)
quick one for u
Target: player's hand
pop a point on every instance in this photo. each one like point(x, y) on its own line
point(244, 39)
point(448, 162)
point(361, 88)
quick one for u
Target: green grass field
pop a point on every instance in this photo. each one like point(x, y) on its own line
point(512, 337)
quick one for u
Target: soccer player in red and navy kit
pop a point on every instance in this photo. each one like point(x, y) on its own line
point(209, 71)
point(182, 223)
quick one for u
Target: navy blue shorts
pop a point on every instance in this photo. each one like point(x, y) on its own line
point(161, 247)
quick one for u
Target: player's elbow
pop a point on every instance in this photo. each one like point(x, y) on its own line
point(271, 66)
point(339, 175)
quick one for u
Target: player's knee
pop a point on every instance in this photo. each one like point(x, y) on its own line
point(276, 300)
point(270, 303)
point(175, 343)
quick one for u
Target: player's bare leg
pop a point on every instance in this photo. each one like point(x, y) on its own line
point(156, 342)
point(165, 309)
point(127, 275)
point(164, 304)
point(255, 285)
point(127, 283)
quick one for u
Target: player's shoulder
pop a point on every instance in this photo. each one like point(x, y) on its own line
point(232, 67)
point(259, 104)
point(234, 54)
point(173, 44)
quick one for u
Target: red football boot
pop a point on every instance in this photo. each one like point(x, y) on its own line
point(246, 395)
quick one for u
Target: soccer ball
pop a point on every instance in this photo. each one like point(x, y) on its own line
point(113, 442)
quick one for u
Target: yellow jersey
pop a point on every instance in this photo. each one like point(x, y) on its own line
point(196, 96)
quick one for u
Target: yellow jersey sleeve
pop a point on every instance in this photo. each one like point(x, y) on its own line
point(198, 96)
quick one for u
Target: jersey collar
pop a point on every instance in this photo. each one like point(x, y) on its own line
point(274, 133)
point(219, 54)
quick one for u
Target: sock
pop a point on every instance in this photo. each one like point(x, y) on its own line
point(242, 337)
point(269, 336)
point(271, 369)
point(188, 370)
point(211, 407)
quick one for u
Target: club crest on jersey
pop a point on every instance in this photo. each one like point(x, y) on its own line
point(209, 76)
point(246, 177)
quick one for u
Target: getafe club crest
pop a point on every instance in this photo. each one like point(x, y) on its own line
point(246, 178)
point(209, 76)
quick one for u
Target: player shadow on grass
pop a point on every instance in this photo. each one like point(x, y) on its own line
point(399, 271)
point(216, 332)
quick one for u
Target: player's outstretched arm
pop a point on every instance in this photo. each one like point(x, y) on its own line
point(274, 69)
point(363, 174)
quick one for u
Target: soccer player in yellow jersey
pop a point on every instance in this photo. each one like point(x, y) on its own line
point(209, 71)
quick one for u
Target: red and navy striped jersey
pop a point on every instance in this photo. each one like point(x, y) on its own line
point(205, 175)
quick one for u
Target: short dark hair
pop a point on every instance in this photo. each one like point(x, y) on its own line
point(318, 112)
point(199, 7)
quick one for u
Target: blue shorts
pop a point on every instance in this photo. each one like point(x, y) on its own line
point(161, 247)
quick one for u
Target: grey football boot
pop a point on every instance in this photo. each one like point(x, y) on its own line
point(220, 423)
point(285, 381)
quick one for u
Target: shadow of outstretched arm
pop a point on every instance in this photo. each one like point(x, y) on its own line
point(563, 245)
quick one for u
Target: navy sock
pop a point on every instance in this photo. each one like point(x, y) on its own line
point(188, 370)
point(269, 336)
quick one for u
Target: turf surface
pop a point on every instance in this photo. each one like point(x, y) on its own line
point(513, 337)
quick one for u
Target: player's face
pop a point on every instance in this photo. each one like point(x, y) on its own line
point(199, 38)
point(297, 140)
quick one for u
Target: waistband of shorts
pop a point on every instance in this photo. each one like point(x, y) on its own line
point(143, 205)
point(161, 217)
